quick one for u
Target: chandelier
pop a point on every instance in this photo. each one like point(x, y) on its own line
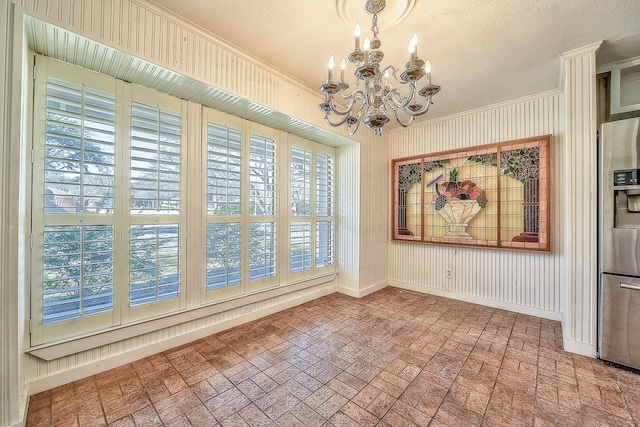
point(374, 98)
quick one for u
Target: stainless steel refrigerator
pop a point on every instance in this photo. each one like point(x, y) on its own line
point(619, 243)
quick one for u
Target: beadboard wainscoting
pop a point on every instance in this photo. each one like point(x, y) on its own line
point(525, 282)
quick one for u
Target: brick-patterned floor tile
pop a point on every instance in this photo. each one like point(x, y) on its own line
point(125, 405)
point(319, 396)
point(201, 417)
point(227, 403)
point(147, 416)
point(409, 412)
point(176, 404)
point(332, 405)
point(393, 358)
point(308, 416)
point(381, 404)
point(254, 417)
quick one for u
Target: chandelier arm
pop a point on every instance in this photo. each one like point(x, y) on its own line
point(355, 96)
point(354, 129)
point(404, 125)
point(396, 99)
point(347, 109)
point(339, 122)
point(394, 72)
point(420, 112)
point(403, 101)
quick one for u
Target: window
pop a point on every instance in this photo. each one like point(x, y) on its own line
point(324, 211)
point(110, 185)
point(263, 201)
point(78, 181)
point(311, 208)
point(155, 200)
point(73, 200)
point(224, 166)
point(91, 159)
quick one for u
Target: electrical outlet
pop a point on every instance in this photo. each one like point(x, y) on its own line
point(247, 309)
point(448, 273)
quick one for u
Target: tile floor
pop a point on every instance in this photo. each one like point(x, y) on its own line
point(394, 358)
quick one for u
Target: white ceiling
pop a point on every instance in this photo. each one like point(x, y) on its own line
point(482, 51)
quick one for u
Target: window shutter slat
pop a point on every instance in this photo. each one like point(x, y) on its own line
point(155, 160)
point(224, 160)
point(262, 176)
point(300, 181)
point(79, 160)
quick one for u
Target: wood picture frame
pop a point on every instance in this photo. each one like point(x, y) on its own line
point(494, 196)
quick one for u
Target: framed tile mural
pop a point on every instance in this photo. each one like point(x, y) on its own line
point(495, 196)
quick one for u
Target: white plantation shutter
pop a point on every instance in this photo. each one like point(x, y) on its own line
point(262, 251)
point(224, 191)
point(300, 192)
point(79, 150)
point(155, 160)
point(78, 271)
point(324, 210)
point(263, 200)
point(311, 216)
point(224, 255)
point(224, 170)
point(79, 168)
point(300, 247)
point(324, 185)
point(155, 234)
point(154, 272)
point(324, 243)
point(262, 176)
point(73, 204)
point(300, 179)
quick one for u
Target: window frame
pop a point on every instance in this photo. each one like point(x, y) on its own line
point(193, 294)
point(313, 218)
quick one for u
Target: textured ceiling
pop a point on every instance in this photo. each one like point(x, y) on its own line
point(482, 51)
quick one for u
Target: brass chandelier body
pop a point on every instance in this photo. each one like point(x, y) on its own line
point(374, 98)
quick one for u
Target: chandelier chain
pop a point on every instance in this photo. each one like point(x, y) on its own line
point(374, 26)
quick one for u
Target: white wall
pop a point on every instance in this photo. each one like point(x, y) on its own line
point(525, 282)
point(364, 241)
point(375, 227)
point(348, 218)
point(535, 283)
point(13, 305)
point(561, 285)
point(176, 45)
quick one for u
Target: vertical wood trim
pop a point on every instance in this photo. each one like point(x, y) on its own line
point(13, 228)
point(348, 216)
point(581, 207)
point(8, 341)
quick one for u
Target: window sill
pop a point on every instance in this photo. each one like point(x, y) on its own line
point(59, 349)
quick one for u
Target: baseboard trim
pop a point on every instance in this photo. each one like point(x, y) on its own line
point(23, 410)
point(83, 371)
point(583, 349)
point(363, 292)
point(516, 308)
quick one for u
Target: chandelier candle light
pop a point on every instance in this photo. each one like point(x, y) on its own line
point(372, 100)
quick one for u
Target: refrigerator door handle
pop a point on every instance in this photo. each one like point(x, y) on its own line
point(630, 287)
